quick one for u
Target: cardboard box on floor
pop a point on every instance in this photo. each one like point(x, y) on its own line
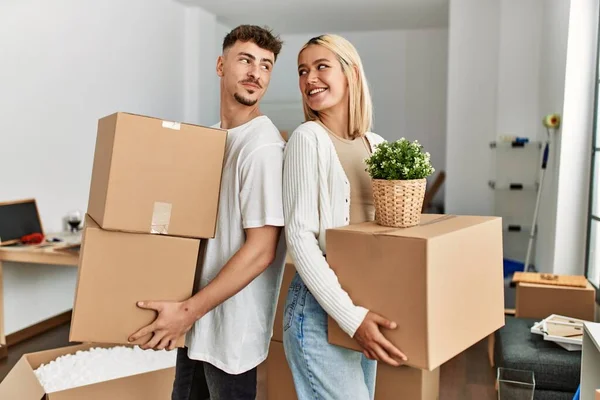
point(404, 382)
point(392, 383)
point(541, 301)
point(118, 269)
point(21, 382)
point(280, 384)
point(154, 176)
point(441, 281)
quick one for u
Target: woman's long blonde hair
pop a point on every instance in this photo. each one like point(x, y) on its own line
point(361, 106)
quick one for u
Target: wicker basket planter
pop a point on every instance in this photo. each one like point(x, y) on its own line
point(398, 203)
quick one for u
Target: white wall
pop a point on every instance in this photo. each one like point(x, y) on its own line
point(473, 67)
point(65, 64)
point(517, 107)
point(553, 60)
point(576, 138)
point(200, 52)
point(512, 63)
point(407, 75)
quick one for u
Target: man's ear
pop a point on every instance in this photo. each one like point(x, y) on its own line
point(220, 62)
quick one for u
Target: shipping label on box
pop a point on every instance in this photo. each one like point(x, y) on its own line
point(441, 282)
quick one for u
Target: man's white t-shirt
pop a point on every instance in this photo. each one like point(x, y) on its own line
point(235, 336)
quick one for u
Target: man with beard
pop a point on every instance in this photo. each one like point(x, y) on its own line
point(228, 322)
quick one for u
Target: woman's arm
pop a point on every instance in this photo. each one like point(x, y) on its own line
point(301, 210)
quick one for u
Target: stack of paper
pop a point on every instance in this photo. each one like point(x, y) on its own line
point(564, 331)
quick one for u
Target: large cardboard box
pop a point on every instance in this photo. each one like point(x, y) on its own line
point(21, 382)
point(391, 384)
point(280, 384)
point(288, 275)
point(441, 281)
point(541, 301)
point(404, 382)
point(154, 176)
point(118, 269)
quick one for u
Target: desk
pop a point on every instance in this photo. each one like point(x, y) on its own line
point(45, 255)
point(50, 254)
point(590, 361)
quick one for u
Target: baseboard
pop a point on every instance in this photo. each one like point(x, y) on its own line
point(3, 352)
point(37, 329)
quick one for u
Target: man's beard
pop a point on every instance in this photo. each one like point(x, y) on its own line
point(244, 101)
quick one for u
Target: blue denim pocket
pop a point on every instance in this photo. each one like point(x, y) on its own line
point(290, 304)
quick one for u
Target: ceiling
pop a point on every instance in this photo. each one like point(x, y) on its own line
point(320, 16)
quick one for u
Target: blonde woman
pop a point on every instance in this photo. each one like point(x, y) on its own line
point(325, 185)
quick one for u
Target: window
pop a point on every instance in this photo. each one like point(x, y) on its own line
point(592, 269)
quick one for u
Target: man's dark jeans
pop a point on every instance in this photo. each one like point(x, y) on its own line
point(198, 380)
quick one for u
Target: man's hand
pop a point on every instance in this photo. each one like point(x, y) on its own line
point(375, 345)
point(173, 321)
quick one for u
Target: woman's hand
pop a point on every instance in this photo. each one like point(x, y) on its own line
point(375, 345)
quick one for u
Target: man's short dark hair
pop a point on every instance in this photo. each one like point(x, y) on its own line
point(262, 37)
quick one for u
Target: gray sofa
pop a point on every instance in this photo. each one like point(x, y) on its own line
point(556, 370)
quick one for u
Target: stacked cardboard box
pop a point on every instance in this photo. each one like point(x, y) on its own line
point(440, 281)
point(153, 196)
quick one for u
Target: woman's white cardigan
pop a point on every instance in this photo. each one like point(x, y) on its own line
point(316, 197)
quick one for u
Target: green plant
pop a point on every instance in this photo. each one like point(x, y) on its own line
point(399, 160)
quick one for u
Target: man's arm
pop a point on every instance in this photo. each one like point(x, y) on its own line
point(262, 217)
point(257, 253)
point(176, 318)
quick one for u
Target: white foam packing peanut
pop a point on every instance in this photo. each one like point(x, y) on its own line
point(100, 364)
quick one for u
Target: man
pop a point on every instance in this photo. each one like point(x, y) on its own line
point(229, 320)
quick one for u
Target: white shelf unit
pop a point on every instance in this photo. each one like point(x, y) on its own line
point(515, 184)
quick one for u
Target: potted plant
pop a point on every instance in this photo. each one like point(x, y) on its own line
point(398, 171)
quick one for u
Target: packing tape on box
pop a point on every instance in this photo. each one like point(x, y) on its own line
point(433, 221)
point(161, 217)
point(171, 125)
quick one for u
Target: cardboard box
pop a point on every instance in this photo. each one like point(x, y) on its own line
point(441, 281)
point(154, 176)
point(395, 383)
point(598, 394)
point(118, 269)
point(288, 275)
point(21, 382)
point(391, 384)
point(280, 384)
point(541, 301)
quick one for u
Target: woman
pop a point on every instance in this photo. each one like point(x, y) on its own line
point(326, 186)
